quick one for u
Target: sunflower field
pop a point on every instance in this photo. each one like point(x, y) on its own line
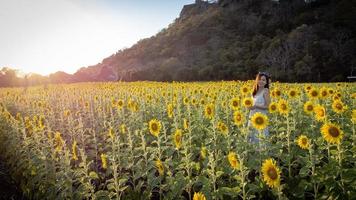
point(150, 140)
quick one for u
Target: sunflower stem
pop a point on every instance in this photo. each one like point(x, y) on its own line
point(279, 193)
point(315, 186)
point(340, 162)
point(288, 143)
point(242, 174)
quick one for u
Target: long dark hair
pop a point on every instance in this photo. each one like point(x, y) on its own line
point(258, 77)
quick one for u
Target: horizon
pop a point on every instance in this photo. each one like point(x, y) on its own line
point(45, 37)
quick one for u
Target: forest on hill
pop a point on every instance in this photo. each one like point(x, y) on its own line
point(294, 40)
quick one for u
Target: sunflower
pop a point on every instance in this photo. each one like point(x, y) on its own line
point(154, 126)
point(58, 141)
point(185, 101)
point(113, 102)
point(336, 97)
point(283, 107)
point(86, 105)
point(66, 113)
point(307, 87)
point(111, 133)
point(223, 128)
point(209, 111)
point(292, 93)
point(332, 133)
point(194, 101)
point(170, 110)
point(198, 196)
point(202, 101)
point(104, 160)
point(353, 117)
point(203, 152)
point(177, 138)
point(320, 113)
point(185, 124)
point(244, 90)
point(273, 107)
point(18, 117)
point(324, 92)
point(235, 103)
point(271, 173)
point(223, 104)
point(238, 118)
point(74, 151)
point(123, 128)
point(338, 107)
point(259, 121)
point(41, 122)
point(276, 93)
point(309, 108)
point(248, 102)
point(160, 167)
point(331, 91)
point(303, 142)
point(233, 160)
point(313, 93)
point(353, 95)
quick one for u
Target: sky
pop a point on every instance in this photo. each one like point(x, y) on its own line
point(46, 36)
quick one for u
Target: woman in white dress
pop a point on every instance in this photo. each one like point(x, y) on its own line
point(261, 101)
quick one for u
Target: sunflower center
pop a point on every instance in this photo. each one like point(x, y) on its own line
point(259, 120)
point(272, 173)
point(223, 128)
point(310, 107)
point(154, 126)
point(334, 132)
point(292, 93)
point(338, 106)
point(248, 103)
point(244, 90)
point(233, 162)
point(304, 141)
point(238, 117)
point(284, 107)
point(321, 112)
point(235, 104)
point(324, 93)
point(314, 93)
point(178, 138)
point(208, 110)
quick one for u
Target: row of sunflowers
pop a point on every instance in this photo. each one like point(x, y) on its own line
point(150, 140)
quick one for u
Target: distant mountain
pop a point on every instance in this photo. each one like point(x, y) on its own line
point(294, 40)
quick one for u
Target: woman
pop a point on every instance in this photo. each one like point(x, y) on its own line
point(261, 101)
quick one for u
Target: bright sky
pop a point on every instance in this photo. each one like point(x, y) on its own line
point(45, 36)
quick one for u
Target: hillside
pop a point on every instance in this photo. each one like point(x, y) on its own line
point(232, 39)
point(294, 40)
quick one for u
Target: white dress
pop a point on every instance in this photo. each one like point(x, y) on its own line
point(259, 100)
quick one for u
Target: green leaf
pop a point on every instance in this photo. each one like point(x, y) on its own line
point(304, 171)
point(102, 195)
point(122, 181)
point(219, 173)
point(93, 175)
point(233, 192)
point(111, 187)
